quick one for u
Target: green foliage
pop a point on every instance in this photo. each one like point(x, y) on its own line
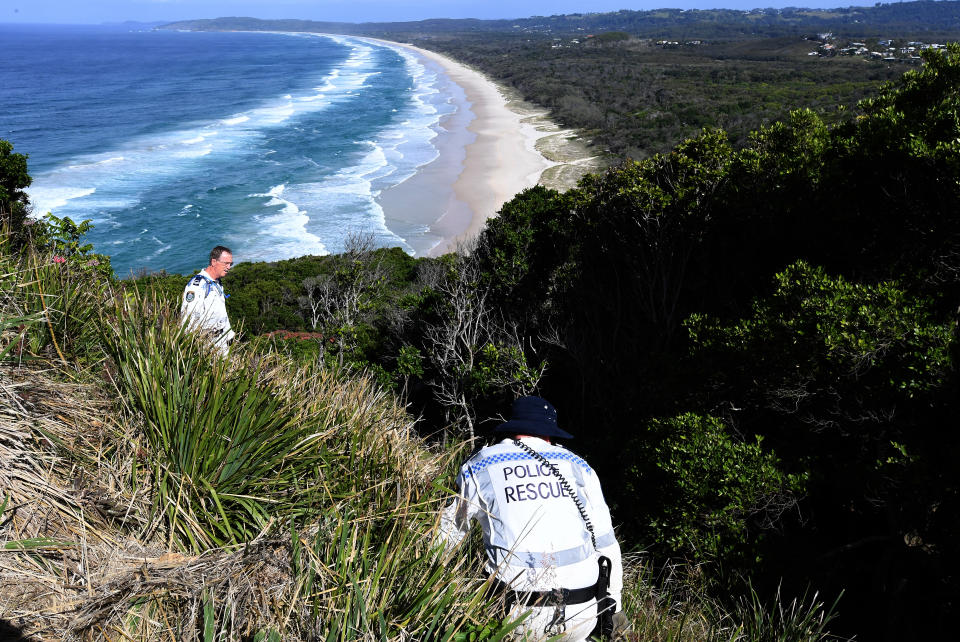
point(51, 292)
point(410, 362)
point(499, 362)
point(14, 201)
point(816, 339)
point(846, 367)
point(512, 247)
point(378, 576)
point(265, 295)
point(800, 619)
point(852, 385)
point(62, 236)
point(227, 451)
point(715, 494)
point(301, 347)
point(636, 99)
point(611, 36)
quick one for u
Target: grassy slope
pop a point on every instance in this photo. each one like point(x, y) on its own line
point(152, 492)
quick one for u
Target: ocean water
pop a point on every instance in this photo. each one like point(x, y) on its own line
point(276, 145)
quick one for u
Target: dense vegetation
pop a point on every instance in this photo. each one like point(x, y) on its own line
point(760, 341)
point(757, 345)
point(153, 490)
point(634, 98)
point(927, 17)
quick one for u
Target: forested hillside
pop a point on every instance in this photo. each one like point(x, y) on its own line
point(634, 98)
point(756, 344)
point(931, 18)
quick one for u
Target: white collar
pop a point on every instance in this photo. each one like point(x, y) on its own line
point(509, 440)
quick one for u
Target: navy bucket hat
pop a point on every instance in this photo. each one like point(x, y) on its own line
point(533, 416)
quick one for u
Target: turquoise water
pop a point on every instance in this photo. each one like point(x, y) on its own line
point(273, 144)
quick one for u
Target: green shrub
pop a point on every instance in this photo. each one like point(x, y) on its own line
point(713, 494)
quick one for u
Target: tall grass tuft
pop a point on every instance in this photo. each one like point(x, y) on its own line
point(257, 453)
point(227, 451)
point(669, 604)
point(803, 619)
point(63, 293)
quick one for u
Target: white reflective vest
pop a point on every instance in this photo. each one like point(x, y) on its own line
point(204, 307)
point(534, 535)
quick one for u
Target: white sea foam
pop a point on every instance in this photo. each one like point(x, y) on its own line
point(195, 153)
point(346, 199)
point(160, 250)
point(286, 227)
point(306, 214)
point(50, 199)
point(142, 163)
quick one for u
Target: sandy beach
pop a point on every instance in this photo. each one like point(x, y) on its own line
point(489, 150)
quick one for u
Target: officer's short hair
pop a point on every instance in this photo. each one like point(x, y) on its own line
point(217, 251)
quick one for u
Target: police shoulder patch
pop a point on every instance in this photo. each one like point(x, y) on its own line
point(189, 297)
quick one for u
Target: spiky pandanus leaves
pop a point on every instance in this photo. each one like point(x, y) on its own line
point(227, 451)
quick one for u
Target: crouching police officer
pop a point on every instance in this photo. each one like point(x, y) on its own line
point(204, 305)
point(546, 528)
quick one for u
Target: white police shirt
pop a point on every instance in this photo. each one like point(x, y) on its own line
point(535, 538)
point(204, 306)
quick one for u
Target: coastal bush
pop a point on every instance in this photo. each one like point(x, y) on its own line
point(56, 280)
point(656, 301)
point(14, 201)
point(711, 495)
point(736, 84)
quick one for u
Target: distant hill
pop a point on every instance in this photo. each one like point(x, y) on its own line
point(924, 16)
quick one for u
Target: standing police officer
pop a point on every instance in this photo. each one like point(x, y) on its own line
point(546, 528)
point(204, 305)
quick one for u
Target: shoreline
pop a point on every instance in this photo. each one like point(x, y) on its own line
point(491, 148)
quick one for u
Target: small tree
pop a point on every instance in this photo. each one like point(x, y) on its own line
point(474, 351)
point(338, 299)
point(14, 203)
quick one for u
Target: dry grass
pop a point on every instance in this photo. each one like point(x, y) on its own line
point(80, 557)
